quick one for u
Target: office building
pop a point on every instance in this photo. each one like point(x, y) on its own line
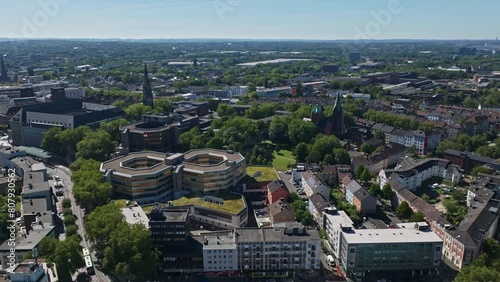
point(149, 177)
point(405, 248)
point(154, 133)
point(31, 122)
point(4, 75)
point(273, 92)
point(169, 228)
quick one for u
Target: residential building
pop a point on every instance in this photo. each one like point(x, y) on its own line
point(281, 211)
point(150, 177)
point(423, 142)
point(335, 222)
point(29, 272)
point(352, 187)
point(411, 174)
point(313, 185)
point(220, 252)
point(317, 205)
point(364, 202)
point(25, 242)
point(388, 157)
point(154, 133)
point(467, 160)
point(276, 191)
point(288, 249)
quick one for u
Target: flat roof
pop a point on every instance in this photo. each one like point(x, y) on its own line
point(401, 235)
point(134, 215)
point(117, 164)
point(227, 156)
point(262, 173)
point(32, 239)
point(275, 61)
point(218, 240)
point(232, 203)
point(270, 234)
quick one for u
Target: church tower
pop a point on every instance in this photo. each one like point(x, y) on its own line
point(4, 76)
point(338, 117)
point(147, 92)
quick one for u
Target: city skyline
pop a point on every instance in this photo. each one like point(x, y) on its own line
point(252, 19)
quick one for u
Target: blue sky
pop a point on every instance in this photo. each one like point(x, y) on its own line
point(252, 19)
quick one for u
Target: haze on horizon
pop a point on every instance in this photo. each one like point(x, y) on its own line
point(251, 19)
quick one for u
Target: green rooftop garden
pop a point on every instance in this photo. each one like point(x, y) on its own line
point(232, 203)
point(261, 173)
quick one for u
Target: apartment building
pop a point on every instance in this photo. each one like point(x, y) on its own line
point(386, 158)
point(317, 205)
point(264, 252)
point(411, 174)
point(313, 185)
point(150, 177)
point(423, 142)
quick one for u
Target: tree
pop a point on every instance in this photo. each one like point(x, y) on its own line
point(299, 89)
point(136, 111)
point(380, 135)
point(129, 251)
point(366, 176)
point(47, 247)
point(367, 148)
point(404, 211)
point(225, 110)
point(119, 104)
point(342, 156)
point(359, 171)
point(480, 169)
point(113, 128)
point(67, 257)
point(301, 152)
point(301, 131)
point(51, 141)
point(100, 223)
point(71, 230)
point(459, 195)
point(426, 198)
point(278, 130)
point(474, 273)
point(69, 220)
point(97, 145)
point(163, 106)
point(387, 192)
point(374, 190)
point(66, 203)
point(417, 217)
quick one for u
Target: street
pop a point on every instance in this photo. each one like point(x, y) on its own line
point(65, 175)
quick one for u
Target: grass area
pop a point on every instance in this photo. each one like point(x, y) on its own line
point(261, 173)
point(147, 209)
point(282, 158)
point(232, 203)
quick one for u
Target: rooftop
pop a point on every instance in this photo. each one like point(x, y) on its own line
point(134, 215)
point(210, 159)
point(401, 235)
point(287, 234)
point(133, 163)
point(30, 241)
point(231, 203)
point(262, 173)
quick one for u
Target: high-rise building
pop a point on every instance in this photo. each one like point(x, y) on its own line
point(147, 92)
point(4, 76)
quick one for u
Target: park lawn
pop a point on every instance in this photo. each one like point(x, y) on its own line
point(282, 158)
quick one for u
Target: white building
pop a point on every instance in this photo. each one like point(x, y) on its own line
point(312, 185)
point(219, 252)
point(411, 175)
point(422, 141)
point(334, 223)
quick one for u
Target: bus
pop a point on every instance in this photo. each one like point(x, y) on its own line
point(89, 265)
point(85, 252)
